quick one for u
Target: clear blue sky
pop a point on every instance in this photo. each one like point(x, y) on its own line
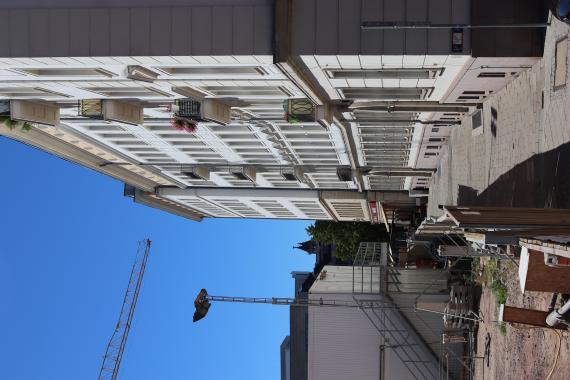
point(67, 241)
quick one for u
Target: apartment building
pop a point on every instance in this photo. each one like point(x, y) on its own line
point(102, 85)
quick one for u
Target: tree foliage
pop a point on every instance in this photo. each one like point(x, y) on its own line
point(11, 124)
point(346, 236)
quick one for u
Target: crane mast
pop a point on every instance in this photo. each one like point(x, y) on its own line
point(116, 346)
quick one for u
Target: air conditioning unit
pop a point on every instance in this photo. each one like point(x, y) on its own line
point(116, 110)
point(141, 73)
point(293, 174)
point(34, 112)
point(244, 173)
point(204, 110)
point(197, 173)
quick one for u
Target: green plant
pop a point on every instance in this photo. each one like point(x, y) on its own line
point(467, 279)
point(503, 328)
point(476, 264)
point(500, 291)
point(11, 124)
point(346, 236)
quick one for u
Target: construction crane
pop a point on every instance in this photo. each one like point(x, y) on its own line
point(116, 346)
point(202, 302)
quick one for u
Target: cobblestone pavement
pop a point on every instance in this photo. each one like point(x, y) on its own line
point(522, 160)
point(531, 118)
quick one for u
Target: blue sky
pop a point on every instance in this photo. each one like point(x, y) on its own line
point(67, 241)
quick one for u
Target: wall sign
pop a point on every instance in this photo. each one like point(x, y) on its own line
point(457, 40)
point(374, 212)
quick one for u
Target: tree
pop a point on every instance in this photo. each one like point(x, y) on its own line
point(346, 236)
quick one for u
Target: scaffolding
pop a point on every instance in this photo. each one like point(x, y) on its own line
point(375, 271)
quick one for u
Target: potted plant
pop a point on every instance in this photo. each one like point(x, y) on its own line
point(184, 124)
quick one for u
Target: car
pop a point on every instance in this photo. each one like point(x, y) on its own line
point(561, 10)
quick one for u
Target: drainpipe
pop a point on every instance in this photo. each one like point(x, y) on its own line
point(558, 317)
point(408, 106)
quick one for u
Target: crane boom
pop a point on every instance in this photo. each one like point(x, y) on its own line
point(202, 302)
point(116, 346)
point(298, 301)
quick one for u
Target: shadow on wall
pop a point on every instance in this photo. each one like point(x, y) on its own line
point(541, 181)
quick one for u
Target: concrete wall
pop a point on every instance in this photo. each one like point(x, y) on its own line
point(30, 29)
point(331, 27)
point(52, 4)
point(526, 42)
point(344, 344)
point(347, 343)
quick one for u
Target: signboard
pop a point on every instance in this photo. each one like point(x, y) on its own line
point(457, 40)
point(374, 212)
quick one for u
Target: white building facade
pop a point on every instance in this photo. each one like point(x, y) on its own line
point(368, 344)
point(246, 58)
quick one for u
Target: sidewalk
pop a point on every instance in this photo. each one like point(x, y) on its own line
point(505, 166)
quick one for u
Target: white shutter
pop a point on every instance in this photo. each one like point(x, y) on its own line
point(216, 111)
point(123, 112)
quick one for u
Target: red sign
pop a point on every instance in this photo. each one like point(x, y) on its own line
point(374, 212)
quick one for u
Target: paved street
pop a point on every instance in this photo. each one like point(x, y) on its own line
point(520, 160)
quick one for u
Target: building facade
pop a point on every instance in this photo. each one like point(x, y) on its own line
point(285, 355)
point(363, 343)
point(383, 101)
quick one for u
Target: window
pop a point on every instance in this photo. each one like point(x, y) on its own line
point(311, 144)
point(234, 128)
point(127, 92)
point(432, 147)
point(386, 74)
point(196, 150)
point(187, 143)
point(436, 139)
point(560, 64)
point(29, 92)
point(477, 119)
point(245, 143)
point(431, 154)
point(474, 95)
point(68, 72)
point(489, 74)
point(236, 136)
point(247, 90)
point(435, 129)
point(404, 93)
point(251, 150)
point(213, 70)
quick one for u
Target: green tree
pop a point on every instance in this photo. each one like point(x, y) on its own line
point(346, 236)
